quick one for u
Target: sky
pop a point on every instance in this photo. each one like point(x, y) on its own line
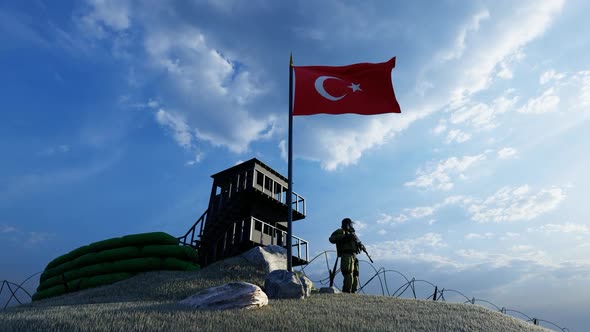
point(116, 113)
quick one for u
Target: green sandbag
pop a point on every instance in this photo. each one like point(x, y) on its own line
point(138, 264)
point(103, 279)
point(172, 263)
point(113, 243)
point(149, 239)
point(84, 260)
point(181, 252)
point(53, 281)
point(50, 292)
point(67, 266)
point(86, 271)
point(59, 260)
point(117, 254)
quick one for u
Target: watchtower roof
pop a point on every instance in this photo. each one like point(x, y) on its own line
point(247, 165)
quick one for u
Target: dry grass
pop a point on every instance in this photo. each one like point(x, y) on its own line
point(147, 302)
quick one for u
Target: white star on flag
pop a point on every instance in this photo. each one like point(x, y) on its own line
point(355, 87)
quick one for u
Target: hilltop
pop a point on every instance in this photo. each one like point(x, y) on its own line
point(148, 302)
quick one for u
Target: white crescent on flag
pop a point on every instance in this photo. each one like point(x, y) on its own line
point(319, 86)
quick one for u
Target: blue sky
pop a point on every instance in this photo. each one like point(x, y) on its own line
point(116, 113)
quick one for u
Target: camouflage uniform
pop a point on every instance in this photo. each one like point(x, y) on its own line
point(347, 249)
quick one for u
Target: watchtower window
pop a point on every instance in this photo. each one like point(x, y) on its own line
point(278, 192)
point(259, 178)
point(268, 184)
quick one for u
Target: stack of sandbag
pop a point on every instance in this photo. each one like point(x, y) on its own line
point(105, 262)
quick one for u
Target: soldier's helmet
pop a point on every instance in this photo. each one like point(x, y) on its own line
point(346, 222)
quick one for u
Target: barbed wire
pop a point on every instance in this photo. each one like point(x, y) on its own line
point(436, 295)
point(14, 292)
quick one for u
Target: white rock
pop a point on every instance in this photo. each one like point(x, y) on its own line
point(282, 284)
point(307, 285)
point(270, 258)
point(234, 295)
point(329, 290)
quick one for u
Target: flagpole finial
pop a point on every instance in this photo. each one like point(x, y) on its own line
point(291, 59)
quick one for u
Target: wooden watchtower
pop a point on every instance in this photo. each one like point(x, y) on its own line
point(247, 208)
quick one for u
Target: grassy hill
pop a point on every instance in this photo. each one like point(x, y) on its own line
point(148, 302)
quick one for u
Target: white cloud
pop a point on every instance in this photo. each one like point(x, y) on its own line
point(509, 236)
point(550, 75)
point(214, 89)
point(340, 142)
point(360, 227)
point(63, 148)
point(457, 136)
point(518, 255)
point(385, 219)
point(478, 236)
point(460, 44)
point(545, 103)
point(420, 212)
point(481, 115)
point(38, 237)
point(562, 228)
point(511, 204)
point(7, 228)
point(197, 159)
point(506, 153)
point(176, 123)
point(498, 42)
point(440, 128)
point(439, 176)
point(505, 72)
point(106, 14)
point(410, 249)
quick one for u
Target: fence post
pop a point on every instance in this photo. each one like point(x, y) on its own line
point(435, 291)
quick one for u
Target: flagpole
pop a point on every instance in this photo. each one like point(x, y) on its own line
point(290, 175)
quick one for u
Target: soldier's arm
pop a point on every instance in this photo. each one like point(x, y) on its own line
point(337, 236)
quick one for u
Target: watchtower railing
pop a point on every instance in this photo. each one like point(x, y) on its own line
point(266, 234)
point(192, 233)
point(276, 190)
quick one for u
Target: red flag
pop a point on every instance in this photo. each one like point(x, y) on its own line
point(362, 88)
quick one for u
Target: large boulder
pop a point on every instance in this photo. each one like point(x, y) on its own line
point(269, 258)
point(282, 284)
point(235, 295)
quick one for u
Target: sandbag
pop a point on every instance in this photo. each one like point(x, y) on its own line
point(104, 279)
point(181, 252)
point(112, 255)
point(149, 239)
point(113, 243)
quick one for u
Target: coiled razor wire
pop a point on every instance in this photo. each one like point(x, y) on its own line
point(410, 284)
point(437, 295)
point(14, 292)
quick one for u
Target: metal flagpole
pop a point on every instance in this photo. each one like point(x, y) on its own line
point(290, 176)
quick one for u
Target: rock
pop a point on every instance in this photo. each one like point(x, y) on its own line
point(307, 285)
point(235, 295)
point(329, 290)
point(269, 258)
point(282, 284)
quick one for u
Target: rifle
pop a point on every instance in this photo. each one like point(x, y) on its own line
point(360, 244)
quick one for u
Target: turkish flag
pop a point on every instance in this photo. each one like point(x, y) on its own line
point(362, 88)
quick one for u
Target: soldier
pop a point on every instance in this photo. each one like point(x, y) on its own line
point(347, 247)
